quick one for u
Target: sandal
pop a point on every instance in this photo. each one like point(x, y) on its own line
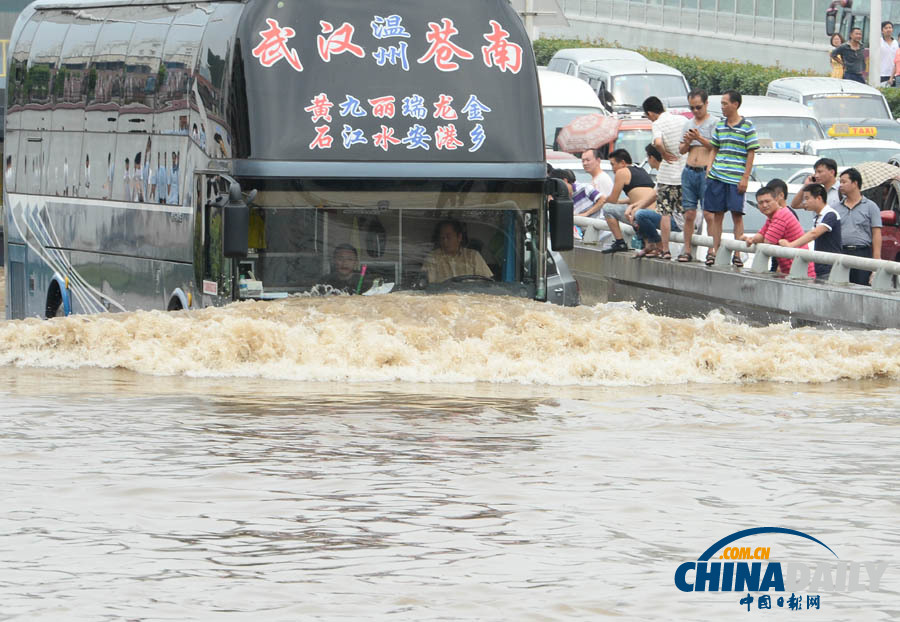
point(650, 253)
point(666, 256)
point(737, 261)
point(710, 258)
point(685, 258)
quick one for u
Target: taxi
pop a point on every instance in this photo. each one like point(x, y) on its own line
point(884, 129)
point(852, 151)
point(785, 162)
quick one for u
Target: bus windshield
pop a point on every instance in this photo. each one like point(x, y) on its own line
point(848, 107)
point(364, 234)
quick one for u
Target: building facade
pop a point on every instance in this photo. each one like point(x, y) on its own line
point(790, 33)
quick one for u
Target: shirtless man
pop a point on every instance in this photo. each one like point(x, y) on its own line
point(693, 179)
point(636, 185)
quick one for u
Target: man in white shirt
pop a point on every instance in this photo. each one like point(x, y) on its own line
point(668, 130)
point(590, 162)
point(888, 52)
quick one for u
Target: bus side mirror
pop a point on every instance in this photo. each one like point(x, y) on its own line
point(236, 223)
point(830, 20)
point(561, 215)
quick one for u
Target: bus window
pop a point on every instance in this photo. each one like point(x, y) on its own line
point(98, 166)
point(144, 72)
point(44, 83)
point(177, 71)
point(64, 164)
point(10, 160)
point(107, 67)
point(18, 71)
point(74, 67)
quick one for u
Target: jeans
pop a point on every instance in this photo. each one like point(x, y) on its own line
point(647, 222)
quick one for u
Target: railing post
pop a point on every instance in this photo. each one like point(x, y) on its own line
point(799, 268)
point(591, 235)
point(723, 257)
point(761, 261)
point(883, 280)
point(840, 274)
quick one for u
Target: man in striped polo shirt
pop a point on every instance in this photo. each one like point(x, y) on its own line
point(734, 145)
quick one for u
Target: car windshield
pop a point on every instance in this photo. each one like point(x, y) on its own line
point(557, 117)
point(888, 131)
point(848, 107)
point(634, 141)
point(633, 89)
point(852, 157)
point(392, 229)
point(787, 128)
point(764, 173)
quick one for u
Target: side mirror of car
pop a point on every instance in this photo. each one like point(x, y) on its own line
point(889, 218)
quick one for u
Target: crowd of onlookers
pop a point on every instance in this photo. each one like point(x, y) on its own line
point(848, 58)
point(705, 163)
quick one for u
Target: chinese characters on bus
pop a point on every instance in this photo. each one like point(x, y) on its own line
point(333, 114)
point(412, 107)
point(443, 51)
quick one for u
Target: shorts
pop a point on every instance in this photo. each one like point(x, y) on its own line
point(615, 210)
point(721, 197)
point(668, 199)
point(693, 185)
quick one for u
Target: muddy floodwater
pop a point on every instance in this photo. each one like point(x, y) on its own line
point(434, 458)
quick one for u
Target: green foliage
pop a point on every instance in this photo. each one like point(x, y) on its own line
point(714, 76)
point(892, 96)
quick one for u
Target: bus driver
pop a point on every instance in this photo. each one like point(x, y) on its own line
point(451, 259)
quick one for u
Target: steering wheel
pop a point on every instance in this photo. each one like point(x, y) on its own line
point(470, 277)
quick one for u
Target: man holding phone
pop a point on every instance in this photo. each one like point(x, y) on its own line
point(693, 178)
point(825, 174)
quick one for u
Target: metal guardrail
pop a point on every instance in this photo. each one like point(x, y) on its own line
point(884, 271)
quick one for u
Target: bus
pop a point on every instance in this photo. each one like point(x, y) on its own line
point(190, 154)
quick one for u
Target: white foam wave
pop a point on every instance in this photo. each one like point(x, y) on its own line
point(448, 339)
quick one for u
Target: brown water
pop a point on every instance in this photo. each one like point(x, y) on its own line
point(335, 459)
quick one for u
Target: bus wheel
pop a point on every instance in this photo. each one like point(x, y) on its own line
point(55, 307)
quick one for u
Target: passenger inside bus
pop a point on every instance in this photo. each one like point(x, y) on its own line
point(452, 259)
point(345, 274)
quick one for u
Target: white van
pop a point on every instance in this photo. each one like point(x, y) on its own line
point(833, 100)
point(623, 85)
point(564, 98)
point(569, 60)
point(775, 119)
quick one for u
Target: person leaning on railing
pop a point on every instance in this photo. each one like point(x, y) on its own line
point(780, 224)
point(826, 229)
point(860, 224)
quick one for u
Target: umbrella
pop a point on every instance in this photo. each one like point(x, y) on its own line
point(587, 132)
point(876, 173)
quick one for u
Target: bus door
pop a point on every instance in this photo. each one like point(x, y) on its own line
point(212, 270)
